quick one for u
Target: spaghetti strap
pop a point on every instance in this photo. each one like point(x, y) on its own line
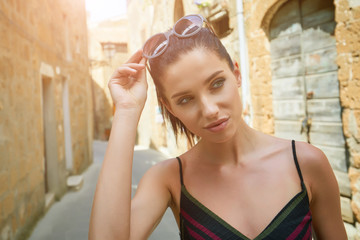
point(296, 161)
point(180, 167)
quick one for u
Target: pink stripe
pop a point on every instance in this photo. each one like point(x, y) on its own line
point(199, 226)
point(308, 233)
point(194, 234)
point(299, 228)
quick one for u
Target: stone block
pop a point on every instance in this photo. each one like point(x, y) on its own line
point(346, 210)
point(75, 182)
point(289, 130)
point(342, 12)
point(324, 110)
point(348, 37)
point(344, 62)
point(336, 157)
point(355, 12)
point(323, 85)
point(350, 231)
point(344, 183)
point(285, 46)
point(288, 88)
point(323, 60)
point(356, 68)
point(327, 134)
point(354, 3)
point(355, 159)
point(289, 109)
point(351, 121)
point(287, 67)
point(355, 205)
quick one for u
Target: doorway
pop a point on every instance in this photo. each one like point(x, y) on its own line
point(304, 77)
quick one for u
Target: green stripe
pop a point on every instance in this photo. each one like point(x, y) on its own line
point(212, 214)
point(272, 225)
point(282, 216)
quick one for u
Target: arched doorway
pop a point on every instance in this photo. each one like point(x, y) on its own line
point(304, 77)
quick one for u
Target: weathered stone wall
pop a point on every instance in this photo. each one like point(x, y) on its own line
point(258, 15)
point(347, 35)
point(40, 40)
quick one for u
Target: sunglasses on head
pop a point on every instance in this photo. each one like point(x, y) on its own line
point(186, 26)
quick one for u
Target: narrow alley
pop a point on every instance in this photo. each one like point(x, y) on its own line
point(68, 219)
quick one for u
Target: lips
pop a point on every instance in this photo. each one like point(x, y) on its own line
point(217, 125)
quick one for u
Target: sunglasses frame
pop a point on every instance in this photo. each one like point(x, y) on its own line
point(168, 34)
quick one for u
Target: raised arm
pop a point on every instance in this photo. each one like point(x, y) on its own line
point(111, 212)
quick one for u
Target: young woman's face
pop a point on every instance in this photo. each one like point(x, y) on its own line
point(202, 92)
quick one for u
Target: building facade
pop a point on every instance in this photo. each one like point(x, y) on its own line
point(45, 107)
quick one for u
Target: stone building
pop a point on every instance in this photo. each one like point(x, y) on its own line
point(45, 107)
point(108, 49)
point(302, 59)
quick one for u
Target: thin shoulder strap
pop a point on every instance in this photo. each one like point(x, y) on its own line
point(180, 167)
point(296, 161)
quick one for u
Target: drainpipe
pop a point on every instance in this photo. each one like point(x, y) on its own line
point(246, 98)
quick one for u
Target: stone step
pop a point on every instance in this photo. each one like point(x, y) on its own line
point(75, 182)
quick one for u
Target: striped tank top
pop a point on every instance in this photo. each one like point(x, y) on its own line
point(293, 222)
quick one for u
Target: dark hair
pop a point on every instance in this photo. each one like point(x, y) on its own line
point(176, 47)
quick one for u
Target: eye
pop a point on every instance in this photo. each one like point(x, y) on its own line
point(218, 83)
point(183, 100)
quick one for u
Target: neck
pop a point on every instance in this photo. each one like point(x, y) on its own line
point(234, 151)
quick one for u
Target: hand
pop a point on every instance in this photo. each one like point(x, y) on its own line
point(128, 86)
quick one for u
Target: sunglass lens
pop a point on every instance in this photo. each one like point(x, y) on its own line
point(188, 25)
point(155, 45)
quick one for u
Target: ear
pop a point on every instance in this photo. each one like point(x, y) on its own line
point(237, 73)
point(167, 105)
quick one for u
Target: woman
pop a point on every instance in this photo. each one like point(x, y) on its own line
point(235, 182)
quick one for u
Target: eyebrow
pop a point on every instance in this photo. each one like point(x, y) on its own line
point(206, 81)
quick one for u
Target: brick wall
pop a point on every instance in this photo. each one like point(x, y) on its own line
point(40, 40)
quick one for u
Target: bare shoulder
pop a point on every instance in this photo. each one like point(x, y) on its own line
point(316, 169)
point(163, 171)
point(310, 157)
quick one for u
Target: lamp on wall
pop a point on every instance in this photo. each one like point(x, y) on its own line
point(109, 49)
point(221, 22)
point(216, 12)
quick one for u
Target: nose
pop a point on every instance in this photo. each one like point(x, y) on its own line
point(209, 107)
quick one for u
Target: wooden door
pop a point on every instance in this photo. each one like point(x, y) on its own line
point(304, 77)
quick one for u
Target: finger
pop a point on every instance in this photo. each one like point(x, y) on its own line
point(137, 66)
point(124, 72)
point(142, 73)
point(136, 57)
point(143, 61)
